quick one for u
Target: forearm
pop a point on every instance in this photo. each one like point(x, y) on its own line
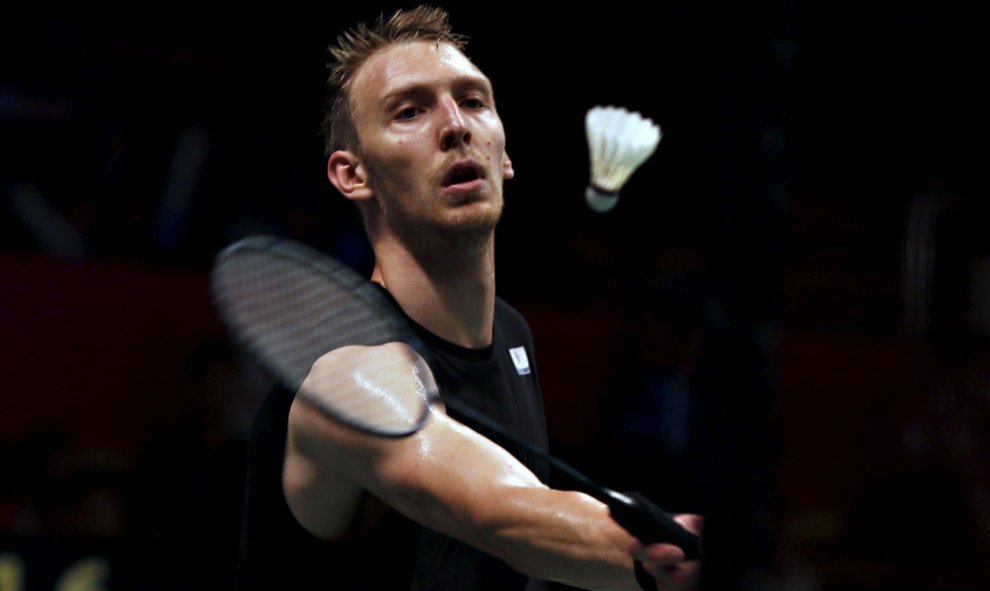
point(562, 536)
point(479, 493)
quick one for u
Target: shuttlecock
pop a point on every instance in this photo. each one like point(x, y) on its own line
point(619, 141)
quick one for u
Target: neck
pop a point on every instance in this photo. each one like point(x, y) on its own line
point(449, 288)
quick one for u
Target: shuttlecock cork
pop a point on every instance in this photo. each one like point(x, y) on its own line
point(619, 141)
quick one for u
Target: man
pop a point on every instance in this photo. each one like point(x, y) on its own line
point(415, 142)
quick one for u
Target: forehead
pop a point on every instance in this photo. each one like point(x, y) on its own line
point(413, 63)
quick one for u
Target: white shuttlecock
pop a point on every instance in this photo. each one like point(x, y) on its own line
point(619, 141)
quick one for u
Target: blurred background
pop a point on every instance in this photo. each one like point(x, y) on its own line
point(783, 325)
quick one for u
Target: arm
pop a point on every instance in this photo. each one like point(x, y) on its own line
point(451, 479)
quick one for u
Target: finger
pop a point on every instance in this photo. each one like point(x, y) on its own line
point(662, 554)
point(691, 522)
point(675, 577)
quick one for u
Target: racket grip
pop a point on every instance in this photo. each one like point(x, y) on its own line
point(651, 524)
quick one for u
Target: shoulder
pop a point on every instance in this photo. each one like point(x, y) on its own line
point(507, 315)
point(512, 330)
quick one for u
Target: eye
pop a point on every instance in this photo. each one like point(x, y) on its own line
point(407, 113)
point(473, 103)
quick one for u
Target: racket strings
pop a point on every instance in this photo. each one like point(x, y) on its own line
point(291, 312)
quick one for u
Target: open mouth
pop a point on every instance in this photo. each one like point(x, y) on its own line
point(463, 173)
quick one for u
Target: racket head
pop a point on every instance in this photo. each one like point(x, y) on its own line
point(290, 305)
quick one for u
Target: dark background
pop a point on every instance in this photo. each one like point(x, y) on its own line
point(782, 325)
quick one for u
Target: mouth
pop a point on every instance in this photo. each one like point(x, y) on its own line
point(463, 174)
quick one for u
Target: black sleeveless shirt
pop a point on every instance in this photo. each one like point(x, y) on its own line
point(276, 553)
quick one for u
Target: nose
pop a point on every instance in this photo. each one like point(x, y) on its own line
point(454, 131)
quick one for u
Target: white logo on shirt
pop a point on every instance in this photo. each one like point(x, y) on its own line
point(520, 360)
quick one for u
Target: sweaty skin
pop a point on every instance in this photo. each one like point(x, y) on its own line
point(451, 479)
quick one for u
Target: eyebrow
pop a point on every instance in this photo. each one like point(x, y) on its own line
point(417, 87)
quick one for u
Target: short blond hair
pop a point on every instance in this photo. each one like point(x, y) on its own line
point(356, 45)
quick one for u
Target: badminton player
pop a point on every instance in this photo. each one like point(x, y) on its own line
point(414, 141)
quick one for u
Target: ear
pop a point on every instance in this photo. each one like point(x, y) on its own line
point(346, 172)
point(507, 171)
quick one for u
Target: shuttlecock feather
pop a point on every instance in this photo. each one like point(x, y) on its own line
point(619, 141)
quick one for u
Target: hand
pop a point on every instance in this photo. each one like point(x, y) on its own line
point(665, 562)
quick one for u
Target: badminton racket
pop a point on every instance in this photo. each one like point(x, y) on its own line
point(288, 305)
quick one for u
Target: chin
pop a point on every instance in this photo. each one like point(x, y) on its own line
point(466, 221)
point(475, 219)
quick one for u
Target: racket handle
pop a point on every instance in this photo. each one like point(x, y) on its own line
point(651, 524)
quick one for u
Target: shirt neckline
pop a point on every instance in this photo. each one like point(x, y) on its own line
point(434, 341)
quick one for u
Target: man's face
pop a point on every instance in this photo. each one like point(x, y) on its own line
point(431, 142)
